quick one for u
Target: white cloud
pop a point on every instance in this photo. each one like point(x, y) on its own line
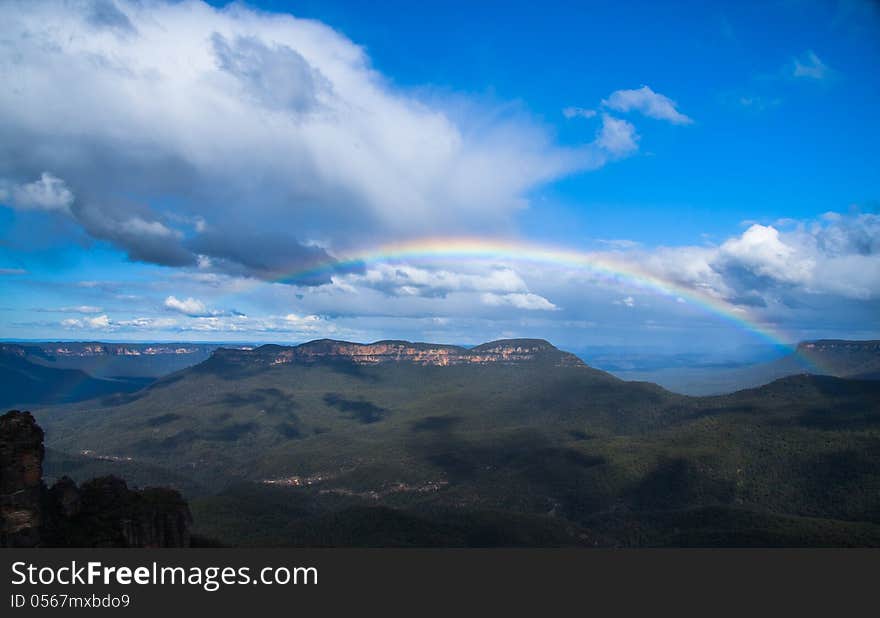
point(81, 309)
point(619, 243)
point(138, 226)
point(578, 112)
point(836, 255)
point(759, 103)
point(527, 301)
point(305, 323)
point(761, 250)
point(438, 288)
point(171, 94)
point(189, 306)
point(437, 281)
point(148, 323)
point(617, 136)
point(810, 66)
point(803, 272)
point(101, 322)
point(48, 193)
point(647, 102)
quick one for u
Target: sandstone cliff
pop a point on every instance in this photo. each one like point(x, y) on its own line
point(21, 474)
point(102, 512)
point(506, 352)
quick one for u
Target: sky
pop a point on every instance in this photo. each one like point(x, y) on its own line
point(689, 176)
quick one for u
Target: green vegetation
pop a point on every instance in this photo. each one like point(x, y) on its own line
point(519, 454)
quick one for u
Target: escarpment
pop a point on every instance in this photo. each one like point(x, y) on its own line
point(502, 352)
point(21, 480)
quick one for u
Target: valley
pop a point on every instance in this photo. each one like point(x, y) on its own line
point(509, 443)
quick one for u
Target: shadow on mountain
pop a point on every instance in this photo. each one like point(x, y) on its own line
point(722, 410)
point(271, 400)
point(289, 431)
point(725, 526)
point(845, 416)
point(579, 435)
point(231, 433)
point(437, 423)
point(274, 517)
point(521, 472)
point(360, 410)
point(350, 369)
point(148, 446)
point(677, 483)
point(162, 419)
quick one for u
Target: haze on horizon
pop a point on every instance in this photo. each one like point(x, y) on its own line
point(197, 172)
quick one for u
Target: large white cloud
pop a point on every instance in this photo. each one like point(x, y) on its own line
point(188, 306)
point(180, 128)
point(46, 193)
point(837, 255)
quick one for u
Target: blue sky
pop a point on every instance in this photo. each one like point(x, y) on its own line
point(797, 148)
point(165, 166)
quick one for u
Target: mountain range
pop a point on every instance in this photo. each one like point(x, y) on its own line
point(110, 360)
point(509, 443)
point(835, 357)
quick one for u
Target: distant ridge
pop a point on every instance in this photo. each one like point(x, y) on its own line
point(844, 358)
point(25, 382)
point(111, 360)
point(504, 352)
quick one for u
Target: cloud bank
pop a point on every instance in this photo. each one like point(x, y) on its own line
point(247, 142)
point(837, 255)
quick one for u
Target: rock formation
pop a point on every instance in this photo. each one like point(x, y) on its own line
point(506, 352)
point(21, 474)
point(102, 512)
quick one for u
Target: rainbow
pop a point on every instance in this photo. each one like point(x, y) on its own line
point(603, 267)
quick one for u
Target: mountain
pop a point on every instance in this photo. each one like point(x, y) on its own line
point(26, 382)
point(508, 443)
point(274, 401)
point(845, 359)
point(113, 360)
point(839, 358)
point(506, 352)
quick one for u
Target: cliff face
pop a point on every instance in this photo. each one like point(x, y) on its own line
point(507, 352)
point(840, 345)
point(857, 359)
point(21, 473)
point(102, 512)
point(85, 349)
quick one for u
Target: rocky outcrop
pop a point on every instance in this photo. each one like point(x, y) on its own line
point(503, 352)
point(21, 473)
point(103, 512)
